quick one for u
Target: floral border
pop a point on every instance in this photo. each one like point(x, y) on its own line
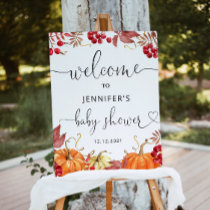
point(132, 39)
point(68, 160)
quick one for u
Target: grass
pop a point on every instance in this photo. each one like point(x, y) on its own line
point(14, 147)
point(192, 135)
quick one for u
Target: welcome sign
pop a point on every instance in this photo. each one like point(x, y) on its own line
point(105, 100)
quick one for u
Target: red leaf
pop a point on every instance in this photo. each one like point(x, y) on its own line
point(58, 38)
point(52, 38)
point(67, 34)
point(62, 36)
point(115, 164)
point(57, 139)
point(114, 40)
point(125, 39)
point(129, 34)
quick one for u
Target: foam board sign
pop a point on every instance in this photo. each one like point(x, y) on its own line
point(105, 100)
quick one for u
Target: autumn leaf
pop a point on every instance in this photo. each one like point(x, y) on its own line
point(124, 36)
point(115, 164)
point(156, 136)
point(62, 36)
point(57, 139)
point(58, 38)
point(75, 39)
point(67, 34)
point(114, 40)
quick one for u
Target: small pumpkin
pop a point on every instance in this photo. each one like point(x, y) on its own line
point(139, 160)
point(70, 160)
point(98, 162)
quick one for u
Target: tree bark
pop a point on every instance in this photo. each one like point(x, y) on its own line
point(80, 15)
point(11, 67)
point(125, 15)
point(200, 77)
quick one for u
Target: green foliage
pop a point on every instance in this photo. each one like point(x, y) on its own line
point(24, 31)
point(50, 159)
point(179, 102)
point(176, 101)
point(197, 136)
point(203, 102)
point(36, 167)
point(17, 146)
point(184, 29)
point(7, 119)
point(34, 109)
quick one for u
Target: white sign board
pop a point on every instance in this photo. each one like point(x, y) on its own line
point(105, 100)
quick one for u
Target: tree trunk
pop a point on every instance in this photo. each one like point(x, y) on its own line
point(11, 67)
point(125, 15)
point(200, 77)
point(80, 15)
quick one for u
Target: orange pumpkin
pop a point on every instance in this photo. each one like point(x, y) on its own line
point(70, 160)
point(139, 160)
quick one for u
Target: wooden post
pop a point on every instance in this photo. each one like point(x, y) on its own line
point(109, 195)
point(155, 195)
point(126, 15)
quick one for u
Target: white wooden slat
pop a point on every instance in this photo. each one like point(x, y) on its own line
point(75, 15)
point(125, 14)
point(135, 15)
point(198, 199)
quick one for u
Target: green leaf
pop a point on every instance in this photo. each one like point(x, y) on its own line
point(37, 165)
point(23, 161)
point(42, 169)
point(33, 171)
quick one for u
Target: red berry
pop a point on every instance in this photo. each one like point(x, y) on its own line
point(145, 51)
point(159, 156)
point(94, 40)
point(156, 160)
point(60, 43)
point(154, 154)
point(103, 35)
point(95, 32)
point(50, 51)
point(98, 36)
point(109, 39)
point(90, 33)
point(57, 50)
point(159, 148)
point(155, 55)
point(100, 41)
point(150, 45)
point(90, 36)
point(149, 55)
point(153, 50)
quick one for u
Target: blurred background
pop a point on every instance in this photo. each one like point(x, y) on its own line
point(183, 28)
point(25, 101)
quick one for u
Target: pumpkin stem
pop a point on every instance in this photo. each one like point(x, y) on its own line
point(80, 136)
point(99, 154)
point(141, 152)
point(137, 142)
point(68, 150)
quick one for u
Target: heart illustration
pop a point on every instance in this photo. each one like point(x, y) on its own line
point(153, 115)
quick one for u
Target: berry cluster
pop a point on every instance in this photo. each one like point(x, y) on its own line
point(150, 51)
point(58, 169)
point(56, 50)
point(95, 37)
point(157, 154)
